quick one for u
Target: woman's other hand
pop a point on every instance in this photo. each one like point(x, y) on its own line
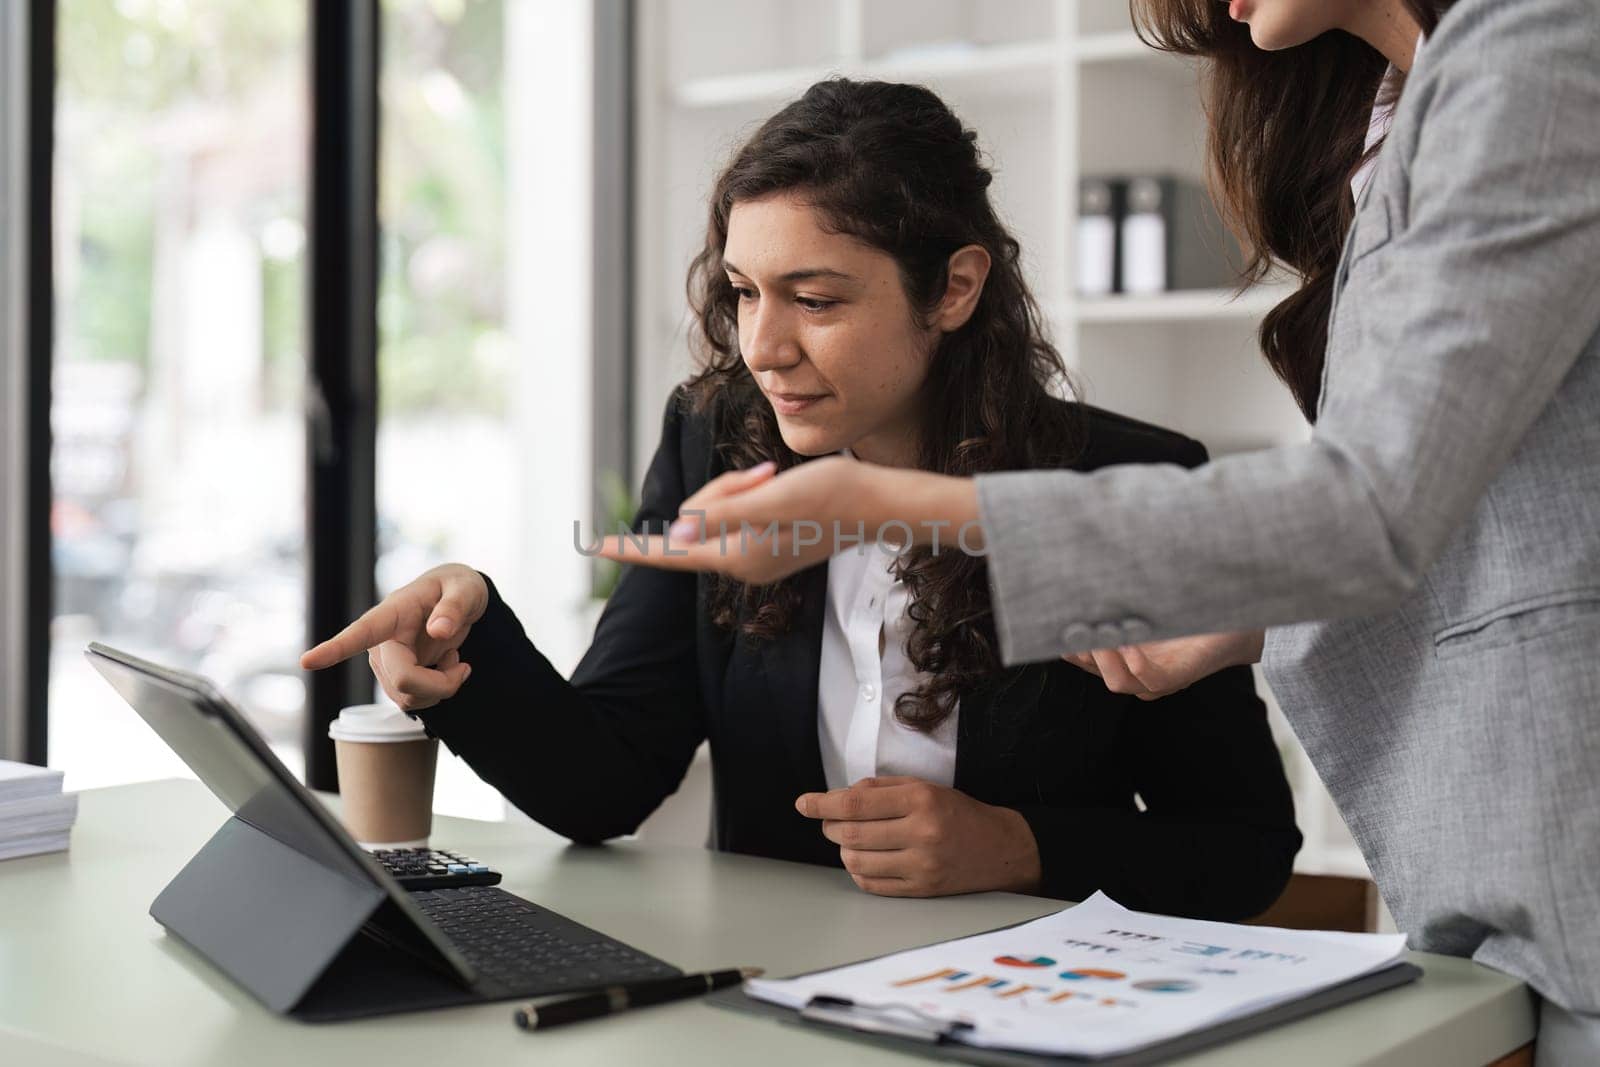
point(743, 523)
point(759, 527)
point(1160, 668)
point(905, 837)
point(412, 636)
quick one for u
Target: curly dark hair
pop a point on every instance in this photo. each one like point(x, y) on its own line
point(892, 166)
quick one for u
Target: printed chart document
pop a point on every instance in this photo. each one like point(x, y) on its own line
point(1093, 980)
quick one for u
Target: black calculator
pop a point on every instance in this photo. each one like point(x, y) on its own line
point(434, 868)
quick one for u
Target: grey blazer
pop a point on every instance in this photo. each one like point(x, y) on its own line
point(1430, 561)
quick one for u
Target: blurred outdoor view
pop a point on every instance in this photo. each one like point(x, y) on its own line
point(179, 512)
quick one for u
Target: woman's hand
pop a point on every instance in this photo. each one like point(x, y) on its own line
point(412, 636)
point(759, 527)
point(905, 837)
point(1160, 668)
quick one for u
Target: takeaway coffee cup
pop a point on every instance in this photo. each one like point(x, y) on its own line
point(386, 764)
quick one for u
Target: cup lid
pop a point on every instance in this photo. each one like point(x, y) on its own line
point(375, 723)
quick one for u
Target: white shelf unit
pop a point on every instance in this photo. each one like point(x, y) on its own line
point(1190, 305)
point(1056, 89)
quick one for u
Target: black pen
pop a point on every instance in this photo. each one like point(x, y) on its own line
point(622, 997)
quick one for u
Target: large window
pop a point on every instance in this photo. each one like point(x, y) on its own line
point(484, 310)
point(178, 466)
point(447, 453)
point(449, 458)
point(180, 365)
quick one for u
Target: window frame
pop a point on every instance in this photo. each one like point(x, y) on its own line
point(342, 356)
point(611, 427)
point(27, 126)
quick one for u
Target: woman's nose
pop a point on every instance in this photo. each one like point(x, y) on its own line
point(766, 339)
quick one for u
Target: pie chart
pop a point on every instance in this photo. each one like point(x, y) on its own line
point(1025, 961)
point(1166, 985)
point(1084, 974)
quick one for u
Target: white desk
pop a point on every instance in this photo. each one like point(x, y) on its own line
point(87, 977)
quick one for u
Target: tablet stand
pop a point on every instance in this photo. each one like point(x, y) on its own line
point(268, 917)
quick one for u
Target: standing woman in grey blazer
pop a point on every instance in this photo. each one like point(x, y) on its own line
point(1427, 566)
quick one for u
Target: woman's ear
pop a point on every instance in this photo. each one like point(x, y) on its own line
point(966, 272)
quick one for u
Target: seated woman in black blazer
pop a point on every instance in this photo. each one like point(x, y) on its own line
point(856, 291)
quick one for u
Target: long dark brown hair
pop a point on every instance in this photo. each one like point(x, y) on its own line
point(891, 166)
point(1286, 132)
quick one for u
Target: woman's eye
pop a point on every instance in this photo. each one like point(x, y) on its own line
point(813, 304)
point(743, 293)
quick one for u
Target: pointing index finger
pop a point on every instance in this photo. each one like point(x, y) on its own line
point(373, 628)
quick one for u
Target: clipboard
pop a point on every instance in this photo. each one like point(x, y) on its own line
point(902, 1032)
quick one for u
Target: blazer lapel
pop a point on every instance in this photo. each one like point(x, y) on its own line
point(993, 718)
point(790, 664)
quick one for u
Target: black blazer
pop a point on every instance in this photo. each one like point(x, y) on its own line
point(591, 758)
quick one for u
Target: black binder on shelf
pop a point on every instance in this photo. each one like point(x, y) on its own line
point(1100, 203)
point(1145, 234)
point(1169, 236)
point(842, 1020)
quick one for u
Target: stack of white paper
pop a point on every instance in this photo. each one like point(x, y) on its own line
point(35, 815)
point(1094, 980)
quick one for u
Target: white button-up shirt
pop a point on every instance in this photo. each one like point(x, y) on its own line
point(864, 669)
